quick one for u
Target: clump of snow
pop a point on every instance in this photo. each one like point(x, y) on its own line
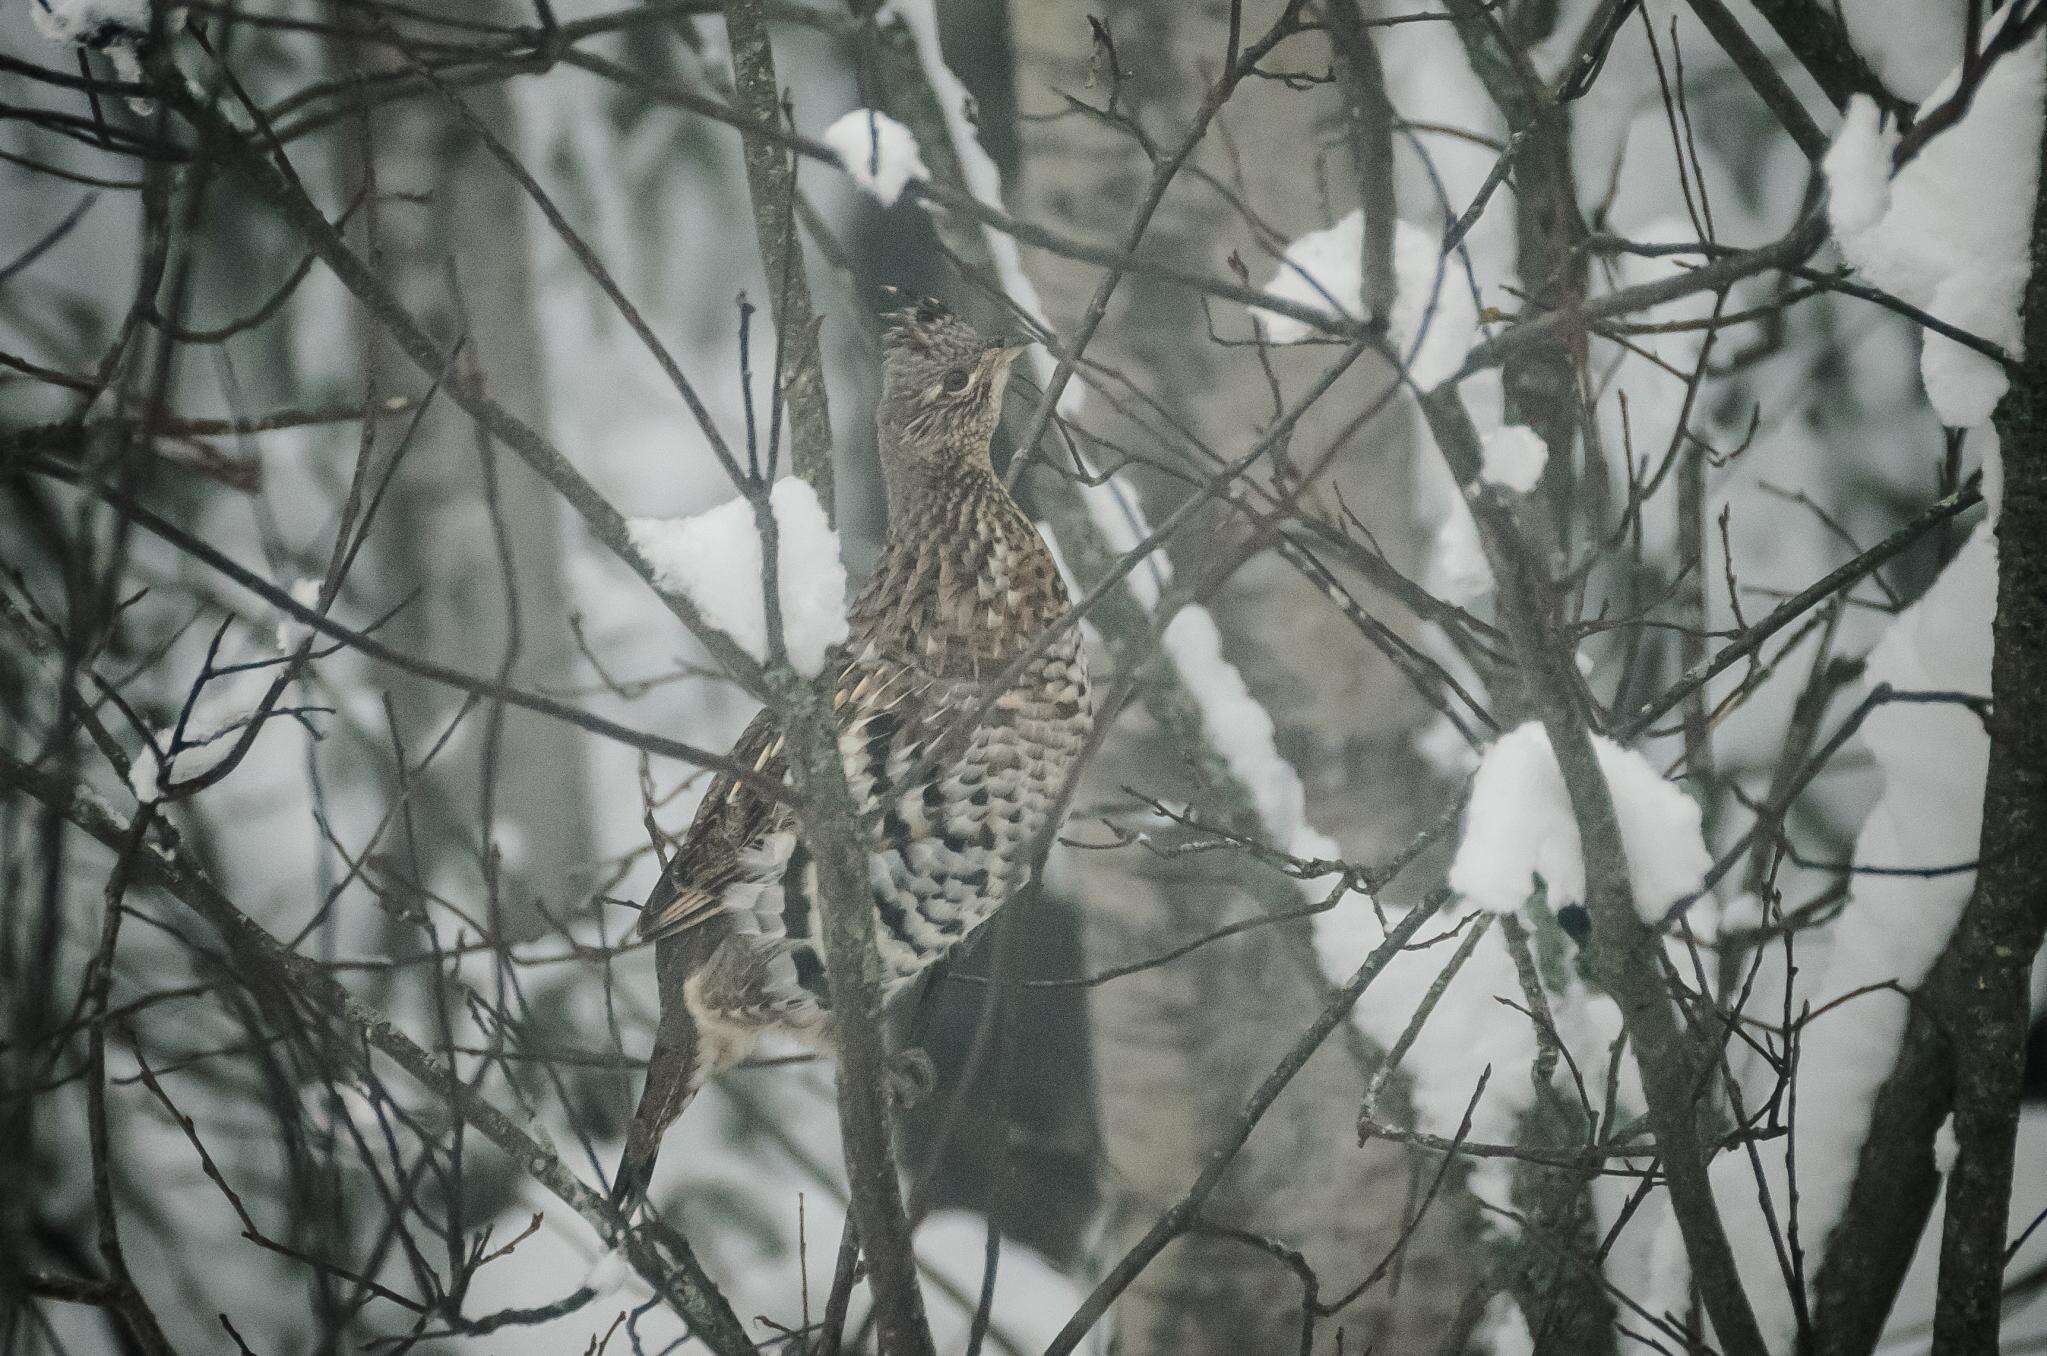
point(1504, 1329)
point(878, 152)
point(1946, 1148)
point(145, 776)
point(1435, 313)
point(1322, 270)
point(1513, 458)
point(714, 560)
point(91, 23)
point(1953, 235)
point(115, 28)
point(1434, 316)
point(610, 1273)
point(291, 632)
point(1468, 1030)
point(1458, 571)
point(1518, 826)
point(1858, 168)
point(1444, 748)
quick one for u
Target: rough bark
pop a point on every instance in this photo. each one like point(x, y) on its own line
point(771, 178)
point(1964, 1044)
point(1178, 1048)
point(1987, 1009)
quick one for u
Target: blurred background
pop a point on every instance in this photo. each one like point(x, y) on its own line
point(467, 868)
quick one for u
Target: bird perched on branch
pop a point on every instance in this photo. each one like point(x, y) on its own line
point(954, 780)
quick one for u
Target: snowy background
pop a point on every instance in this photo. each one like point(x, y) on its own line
point(1828, 428)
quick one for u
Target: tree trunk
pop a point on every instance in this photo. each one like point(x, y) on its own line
point(435, 534)
point(1179, 1047)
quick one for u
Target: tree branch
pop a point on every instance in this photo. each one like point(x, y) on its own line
point(281, 980)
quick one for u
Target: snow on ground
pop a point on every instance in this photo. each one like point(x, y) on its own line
point(1952, 232)
point(878, 152)
point(1518, 827)
point(714, 559)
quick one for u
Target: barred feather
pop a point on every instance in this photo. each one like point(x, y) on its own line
point(951, 796)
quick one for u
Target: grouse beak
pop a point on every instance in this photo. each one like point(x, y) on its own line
point(1008, 349)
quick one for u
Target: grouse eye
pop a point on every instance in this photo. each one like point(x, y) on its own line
point(955, 381)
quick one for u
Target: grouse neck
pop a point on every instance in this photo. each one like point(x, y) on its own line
point(964, 580)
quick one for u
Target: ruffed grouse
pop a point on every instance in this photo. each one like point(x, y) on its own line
point(950, 803)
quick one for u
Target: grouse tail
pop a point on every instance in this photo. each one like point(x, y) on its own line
point(675, 1072)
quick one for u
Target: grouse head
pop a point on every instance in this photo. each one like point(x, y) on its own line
point(941, 391)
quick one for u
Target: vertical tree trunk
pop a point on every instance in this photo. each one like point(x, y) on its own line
point(1178, 1048)
point(1988, 1015)
point(435, 532)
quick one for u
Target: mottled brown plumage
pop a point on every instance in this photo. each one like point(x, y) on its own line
point(951, 797)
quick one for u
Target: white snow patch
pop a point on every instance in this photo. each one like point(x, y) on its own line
point(878, 152)
point(1434, 316)
point(1858, 168)
point(291, 632)
point(714, 560)
point(1444, 748)
point(1241, 732)
point(1518, 826)
point(1930, 814)
point(114, 28)
point(1469, 1031)
point(1458, 571)
point(145, 776)
point(1513, 458)
point(1946, 1148)
point(610, 1273)
point(92, 23)
point(1435, 313)
point(1321, 270)
point(1503, 1331)
point(1953, 234)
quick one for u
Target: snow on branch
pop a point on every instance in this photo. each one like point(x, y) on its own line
point(1434, 317)
point(1933, 757)
point(1948, 231)
point(714, 559)
point(878, 152)
point(1518, 828)
point(1514, 458)
point(118, 29)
